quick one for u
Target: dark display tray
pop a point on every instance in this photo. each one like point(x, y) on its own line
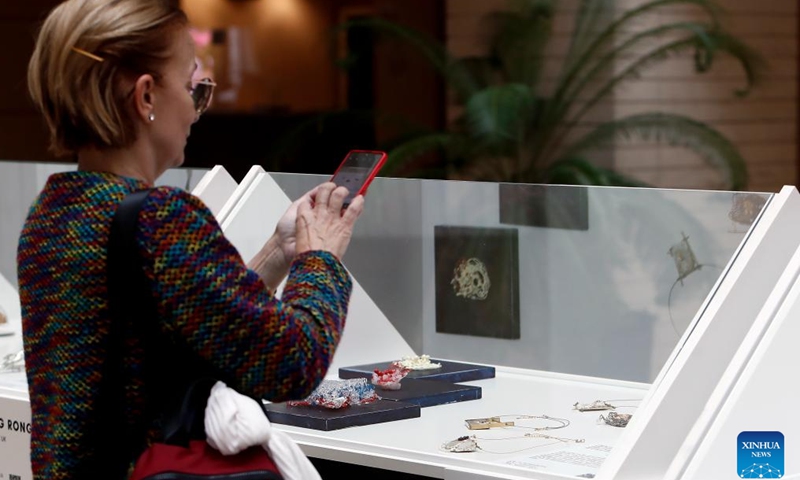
point(427, 393)
point(452, 372)
point(320, 418)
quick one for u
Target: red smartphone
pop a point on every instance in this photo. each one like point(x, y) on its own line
point(357, 170)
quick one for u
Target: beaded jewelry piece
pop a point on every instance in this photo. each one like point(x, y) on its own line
point(421, 362)
point(335, 394)
point(389, 379)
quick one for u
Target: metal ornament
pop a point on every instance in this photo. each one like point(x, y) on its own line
point(596, 406)
point(466, 444)
point(616, 419)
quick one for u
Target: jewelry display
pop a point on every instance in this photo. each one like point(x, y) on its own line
point(335, 394)
point(471, 443)
point(745, 208)
point(498, 422)
point(686, 263)
point(417, 362)
point(389, 379)
point(616, 419)
point(600, 405)
point(13, 362)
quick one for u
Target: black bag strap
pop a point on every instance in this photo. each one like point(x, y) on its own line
point(132, 303)
point(129, 300)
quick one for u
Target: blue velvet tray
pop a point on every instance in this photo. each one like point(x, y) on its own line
point(427, 393)
point(320, 418)
point(452, 372)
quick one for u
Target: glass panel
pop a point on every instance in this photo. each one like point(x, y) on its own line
point(593, 281)
point(590, 281)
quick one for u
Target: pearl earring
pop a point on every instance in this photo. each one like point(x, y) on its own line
point(152, 117)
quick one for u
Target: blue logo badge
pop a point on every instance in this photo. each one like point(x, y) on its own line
point(760, 454)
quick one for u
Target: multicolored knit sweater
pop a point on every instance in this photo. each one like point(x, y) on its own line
point(208, 302)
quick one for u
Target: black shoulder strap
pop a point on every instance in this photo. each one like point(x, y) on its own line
point(124, 265)
point(130, 301)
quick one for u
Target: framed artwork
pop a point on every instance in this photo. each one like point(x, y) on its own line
point(550, 206)
point(477, 281)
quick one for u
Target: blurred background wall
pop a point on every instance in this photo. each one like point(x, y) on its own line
point(283, 77)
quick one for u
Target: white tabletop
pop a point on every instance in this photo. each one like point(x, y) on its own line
point(413, 445)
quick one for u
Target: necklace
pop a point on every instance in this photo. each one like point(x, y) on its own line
point(470, 443)
point(502, 421)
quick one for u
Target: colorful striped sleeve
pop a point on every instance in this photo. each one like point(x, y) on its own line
point(276, 349)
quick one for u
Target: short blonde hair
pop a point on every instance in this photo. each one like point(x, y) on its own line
point(81, 97)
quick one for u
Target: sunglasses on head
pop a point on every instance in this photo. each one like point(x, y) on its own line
point(202, 91)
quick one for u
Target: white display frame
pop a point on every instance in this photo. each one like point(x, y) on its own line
point(215, 188)
point(740, 401)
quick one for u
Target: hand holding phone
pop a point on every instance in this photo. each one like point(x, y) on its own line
point(357, 171)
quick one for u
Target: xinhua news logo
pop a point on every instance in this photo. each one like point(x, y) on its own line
point(760, 455)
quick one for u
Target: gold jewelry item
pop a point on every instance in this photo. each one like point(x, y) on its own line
point(497, 422)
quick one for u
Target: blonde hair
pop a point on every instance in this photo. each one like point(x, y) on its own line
point(81, 97)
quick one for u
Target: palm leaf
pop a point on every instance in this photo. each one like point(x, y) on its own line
point(712, 146)
point(697, 30)
point(498, 114)
point(582, 30)
point(722, 41)
point(588, 18)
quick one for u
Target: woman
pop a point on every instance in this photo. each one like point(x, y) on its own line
point(114, 81)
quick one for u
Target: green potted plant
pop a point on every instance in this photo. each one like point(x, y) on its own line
point(509, 129)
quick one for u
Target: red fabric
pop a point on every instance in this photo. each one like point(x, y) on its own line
point(201, 459)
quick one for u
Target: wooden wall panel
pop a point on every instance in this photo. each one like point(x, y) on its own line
point(764, 125)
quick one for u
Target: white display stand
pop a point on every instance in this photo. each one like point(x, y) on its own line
point(248, 225)
point(754, 395)
point(234, 197)
point(683, 388)
point(215, 188)
point(647, 446)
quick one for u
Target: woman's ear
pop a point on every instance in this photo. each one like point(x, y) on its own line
point(143, 94)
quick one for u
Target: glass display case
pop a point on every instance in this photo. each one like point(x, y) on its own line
point(582, 332)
